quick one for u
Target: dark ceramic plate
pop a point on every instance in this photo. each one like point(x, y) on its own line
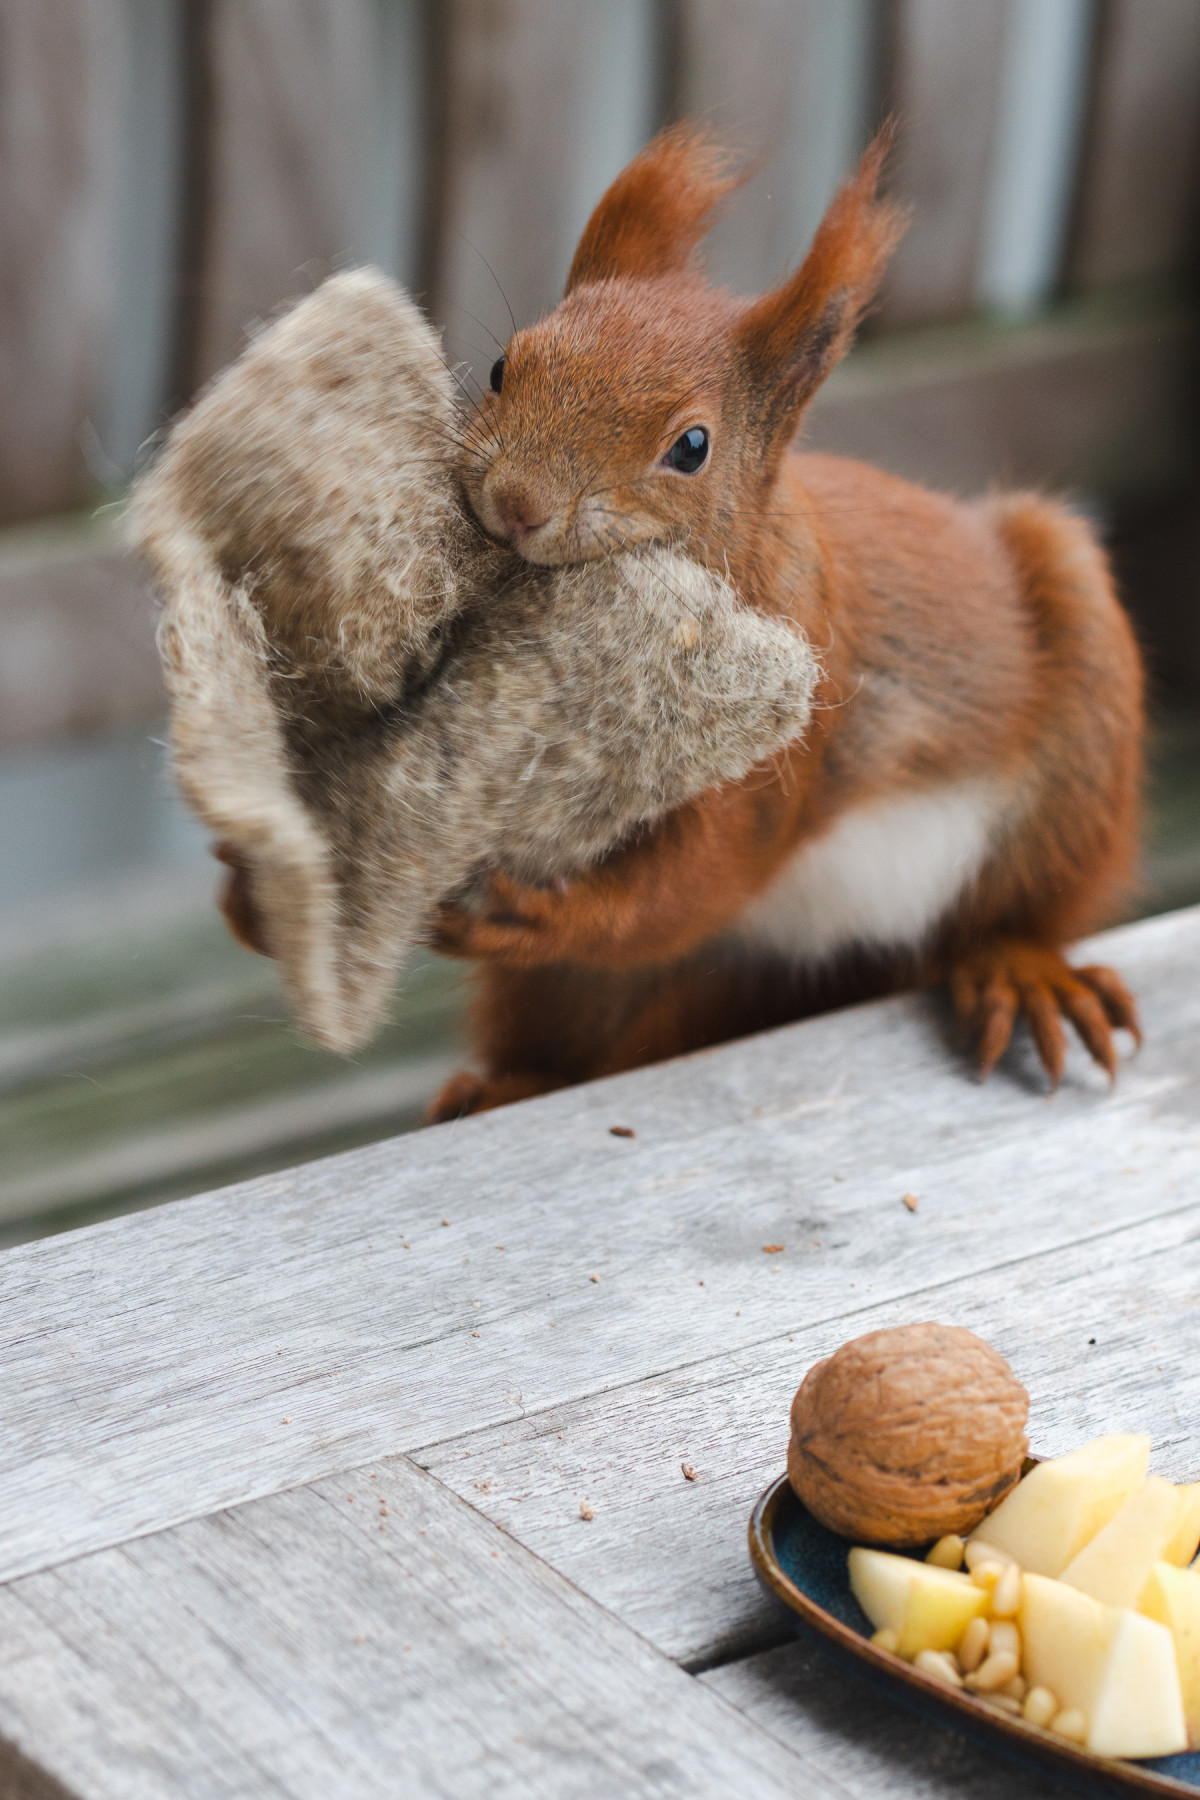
point(803, 1567)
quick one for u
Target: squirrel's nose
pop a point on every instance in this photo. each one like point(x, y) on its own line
point(520, 513)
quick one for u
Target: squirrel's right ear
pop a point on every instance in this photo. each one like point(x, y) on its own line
point(657, 210)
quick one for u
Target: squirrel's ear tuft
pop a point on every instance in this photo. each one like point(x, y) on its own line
point(650, 220)
point(790, 339)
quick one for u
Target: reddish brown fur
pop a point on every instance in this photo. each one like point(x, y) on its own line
point(962, 640)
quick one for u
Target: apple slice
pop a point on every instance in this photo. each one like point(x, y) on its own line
point(1064, 1637)
point(1115, 1565)
point(1172, 1596)
point(1114, 1666)
point(1138, 1710)
point(1060, 1505)
point(1186, 1539)
point(928, 1608)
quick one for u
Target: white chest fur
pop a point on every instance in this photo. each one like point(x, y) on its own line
point(882, 876)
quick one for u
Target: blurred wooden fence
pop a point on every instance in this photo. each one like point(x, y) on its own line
point(172, 170)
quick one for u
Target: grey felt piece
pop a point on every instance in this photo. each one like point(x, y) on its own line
point(372, 701)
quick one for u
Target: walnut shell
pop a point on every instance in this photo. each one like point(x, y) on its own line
point(904, 1435)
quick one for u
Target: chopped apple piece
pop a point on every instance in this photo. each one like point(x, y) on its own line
point(1060, 1505)
point(928, 1608)
point(1114, 1666)
point(1139, 1708)
point(1115, 1565)
point(1186, 1539)
point(1172, 1596)
point(1064, 1635)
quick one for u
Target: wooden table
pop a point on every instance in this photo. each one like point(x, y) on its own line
point(369, 1478)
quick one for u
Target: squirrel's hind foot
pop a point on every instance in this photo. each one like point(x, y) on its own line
point(467, 1093)
point(989, 987)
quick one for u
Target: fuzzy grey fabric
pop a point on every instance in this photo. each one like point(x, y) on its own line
point(371, 700)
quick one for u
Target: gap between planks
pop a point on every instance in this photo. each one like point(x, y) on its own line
point(361, 1642)
point(180, 1578)
point(668, 1555)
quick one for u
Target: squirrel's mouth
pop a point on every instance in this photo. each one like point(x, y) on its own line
point(546, 543)
point(552, 543)
point(569, 547)
point(550, 531)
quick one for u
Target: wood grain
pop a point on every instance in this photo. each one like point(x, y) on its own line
point(149, 1363)
point(546, 100)
point(1032, 182)
point(137, 367)
point(76, 634)
point(668, 1555)
point(294, 95)
point(945, 88)
point(60, 153)
point(1140, 182)
point(366, 1637)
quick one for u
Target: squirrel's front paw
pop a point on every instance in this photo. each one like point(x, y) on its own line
point(236, 902)
point(501, 922)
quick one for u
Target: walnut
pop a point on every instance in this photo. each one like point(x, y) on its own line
point(905, 1435)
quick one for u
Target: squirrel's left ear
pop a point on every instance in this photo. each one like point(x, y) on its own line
point(657, 210)
point(789, 340)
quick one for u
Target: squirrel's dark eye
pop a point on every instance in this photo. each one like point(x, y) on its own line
point(496, 378)
point(689, 452)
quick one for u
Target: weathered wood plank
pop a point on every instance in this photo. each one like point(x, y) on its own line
point(668, 1555)
point(855, 1735)
point(945, 87)
point(163, 1059)
point(142, 1026)
point(294, 96)
point(1140, 179)
point(788, 82)
point(367, 1637)
point(76, 633)
point(134, 1157)
point(399, 154)
point(146, 242)
point(520, 77)
point(60, 155)
point(148, 1363)
point(1037, 155)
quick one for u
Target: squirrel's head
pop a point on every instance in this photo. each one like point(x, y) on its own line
point(649, 406)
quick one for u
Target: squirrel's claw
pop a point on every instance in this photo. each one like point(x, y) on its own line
point(1120, 1007)
point(991, 986)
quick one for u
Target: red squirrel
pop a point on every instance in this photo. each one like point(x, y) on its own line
point(966, 800)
